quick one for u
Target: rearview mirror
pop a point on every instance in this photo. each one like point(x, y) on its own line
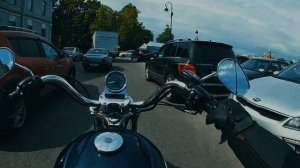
point(233, 77)
point(7, 61)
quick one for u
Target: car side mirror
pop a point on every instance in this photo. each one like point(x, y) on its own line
point(233, 77)
point(7, 61)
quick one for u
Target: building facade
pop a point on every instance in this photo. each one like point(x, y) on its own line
point(35, 15)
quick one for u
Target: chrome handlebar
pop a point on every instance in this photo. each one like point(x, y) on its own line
point(61, 82)
point(155, 97)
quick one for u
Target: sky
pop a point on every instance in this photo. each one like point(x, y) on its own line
point(250, 26)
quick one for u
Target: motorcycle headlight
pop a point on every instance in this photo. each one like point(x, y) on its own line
point(293, 123)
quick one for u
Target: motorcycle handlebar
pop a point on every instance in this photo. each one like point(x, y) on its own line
point(61, 82)
point(154, 98)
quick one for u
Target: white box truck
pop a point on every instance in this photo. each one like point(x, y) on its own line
point(108, 40)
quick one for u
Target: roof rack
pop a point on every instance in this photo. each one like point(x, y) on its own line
point(176, 40)
point(17, 29)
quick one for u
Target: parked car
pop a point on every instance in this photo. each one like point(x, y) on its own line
point(242, 59)
point(140, 55)
point(74, 53)
point(97, 57)
point(126, 53)
point(39, 55)
point(257, 67)
point(113, 54)
point(273, 102)
point(146, 51)
point(201, 57)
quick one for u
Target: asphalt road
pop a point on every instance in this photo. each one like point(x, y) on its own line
point(184, 140)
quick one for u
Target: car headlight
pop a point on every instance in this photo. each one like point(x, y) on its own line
point(293, 123)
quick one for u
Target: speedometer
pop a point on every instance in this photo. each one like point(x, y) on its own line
point(115, 81)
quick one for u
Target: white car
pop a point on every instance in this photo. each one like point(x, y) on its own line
point(274, 103)
point(126, 53)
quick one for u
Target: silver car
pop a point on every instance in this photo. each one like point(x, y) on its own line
point(274, 103)
point(97, 57)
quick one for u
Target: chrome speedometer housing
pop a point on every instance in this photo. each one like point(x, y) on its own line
point(115, 81)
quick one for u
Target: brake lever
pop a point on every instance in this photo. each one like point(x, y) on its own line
point(178, 107)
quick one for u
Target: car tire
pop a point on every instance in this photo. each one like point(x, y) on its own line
point(173, 97)
point(15, 119)
point(147, 77)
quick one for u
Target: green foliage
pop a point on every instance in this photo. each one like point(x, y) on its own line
point(76, 20)
point(132, 33)
point(106, 20)
point(165, 36)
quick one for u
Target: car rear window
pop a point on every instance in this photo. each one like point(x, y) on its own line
point(211, 52)
point(69, 48)
point(97, 51)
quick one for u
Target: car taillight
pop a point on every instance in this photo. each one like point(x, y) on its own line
point(186, 66)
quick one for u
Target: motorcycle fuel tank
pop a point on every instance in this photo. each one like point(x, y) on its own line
point(110, 148)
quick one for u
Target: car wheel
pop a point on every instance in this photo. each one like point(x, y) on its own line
point(173, 97)
point(147, 77)
point(17, 119)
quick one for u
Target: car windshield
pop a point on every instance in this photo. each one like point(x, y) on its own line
point(97, 51)
point(292, 73)
point(259, 65)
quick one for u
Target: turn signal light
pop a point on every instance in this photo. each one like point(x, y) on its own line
point(186, 66)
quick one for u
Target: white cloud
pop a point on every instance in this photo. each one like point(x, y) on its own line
point(251, 26)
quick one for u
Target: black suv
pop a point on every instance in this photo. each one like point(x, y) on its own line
point(201, 57)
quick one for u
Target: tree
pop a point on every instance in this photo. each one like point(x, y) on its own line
point(132, 33)
point(71, 21)
point(165, 36)
point(74, 22)
point(106, 20)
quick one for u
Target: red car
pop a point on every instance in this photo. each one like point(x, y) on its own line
point(35, 53)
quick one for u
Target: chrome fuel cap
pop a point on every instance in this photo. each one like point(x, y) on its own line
point(108, 142)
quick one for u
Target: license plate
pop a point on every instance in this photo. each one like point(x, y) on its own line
point(94, 64)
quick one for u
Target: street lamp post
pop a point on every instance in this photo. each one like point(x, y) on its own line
point(166, 9)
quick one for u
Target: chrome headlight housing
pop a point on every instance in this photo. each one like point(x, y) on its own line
point(293, 123)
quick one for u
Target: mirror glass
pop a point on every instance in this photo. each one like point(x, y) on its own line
point(233, 77)
point(7, 61)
